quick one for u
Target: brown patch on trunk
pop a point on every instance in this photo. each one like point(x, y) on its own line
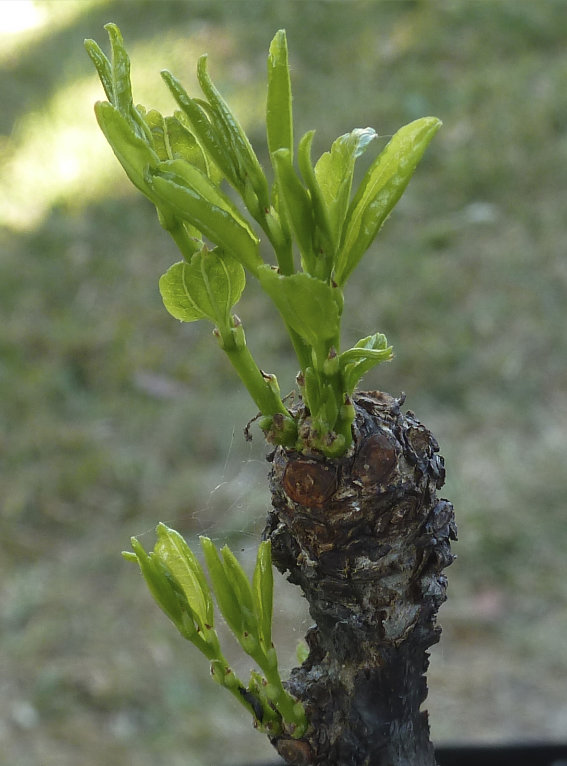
point(375, 460)
point(309, 483)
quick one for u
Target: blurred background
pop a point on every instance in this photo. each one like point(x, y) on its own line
point(114, 417)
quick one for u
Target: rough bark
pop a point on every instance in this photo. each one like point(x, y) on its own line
point(366, 538)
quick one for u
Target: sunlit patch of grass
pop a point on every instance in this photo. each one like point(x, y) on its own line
point(58, 155)
point(25, 23)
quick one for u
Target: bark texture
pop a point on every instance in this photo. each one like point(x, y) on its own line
point(366, 538)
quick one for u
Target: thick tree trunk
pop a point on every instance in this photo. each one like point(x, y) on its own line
point(366, 538)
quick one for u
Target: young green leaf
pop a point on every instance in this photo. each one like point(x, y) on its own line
point(236, 574)
point(133, 152)
point(158, 584)
point(204, 131)
point(295, 203)
point(334, 171)
point(184, 146)
point(207, 287)
point(121, 85)
point(194, 198)
point(263, 592)
point(357, 361)
point(225, 594)
point(380, 189)
point(244, 157)
point(324, 241)
point(156, 123)
point(180, 560)
point(279, 120)
point(103, 67)
point(308, 305)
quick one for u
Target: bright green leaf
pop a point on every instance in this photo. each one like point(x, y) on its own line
point(263, 591)
point(296, 204)
point(156, 123)
point(103, 67)
point(204, 131)
point(242, 588)
point(279, 120)
point(133, 153)
point(121, 85)
point(243, 156)
point(195, 199)
point(381, 188)
point(367, 353)
point(225, 594)
point(180, 560)
point(334, 171)
point(324, 241)
point(207, 287)
point(308, 305)
point(158, 584)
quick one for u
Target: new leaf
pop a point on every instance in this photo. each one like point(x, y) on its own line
point(381, 188)
point(207, 287)
point(308, 305)
point(279, 120)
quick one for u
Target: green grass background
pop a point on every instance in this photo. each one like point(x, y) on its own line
point(113, 416)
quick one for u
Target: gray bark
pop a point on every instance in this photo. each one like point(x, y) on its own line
point(366, 538)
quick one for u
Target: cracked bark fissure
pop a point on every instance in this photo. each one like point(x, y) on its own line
point(366, 538)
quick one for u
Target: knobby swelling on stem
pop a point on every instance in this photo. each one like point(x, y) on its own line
point(318, 229)
point(355, 521)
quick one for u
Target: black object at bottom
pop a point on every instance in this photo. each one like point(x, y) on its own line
point(512, 755)
point(490, 755)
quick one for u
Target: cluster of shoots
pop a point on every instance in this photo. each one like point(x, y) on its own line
point(191, 165)
point(318, 229)
point(178, 583)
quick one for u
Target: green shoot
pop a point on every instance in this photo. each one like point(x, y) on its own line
point(317, 228)
point(178, 583)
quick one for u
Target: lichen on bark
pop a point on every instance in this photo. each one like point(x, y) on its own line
point(366, 538)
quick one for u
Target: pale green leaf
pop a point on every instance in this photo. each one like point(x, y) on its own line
point(158, 583)
point(381, 188)
point(134, 153)
point(207, 287)
point(225, 594)
point(235, 139)
point(334, 171)
point(308, 305)
point(324, 241)
point(156, 123)
point(121, 85)
point(279, 120)
point(180, 560)
point(205, 132)
point(263, 591)
point(194, 198)
point(242, 588)
point(357, 361)
point(295, 205)
point(103, 67)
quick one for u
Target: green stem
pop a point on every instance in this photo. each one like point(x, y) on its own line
point(222, 673)
point(290, 709)
point(301, 348)
point(260, 386)
point(186, 244)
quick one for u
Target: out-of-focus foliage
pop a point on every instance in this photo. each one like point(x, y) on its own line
point(103, 430)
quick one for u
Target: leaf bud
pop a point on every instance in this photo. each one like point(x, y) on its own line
point(237, 332)
point(248, 642)
point(331, 365)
